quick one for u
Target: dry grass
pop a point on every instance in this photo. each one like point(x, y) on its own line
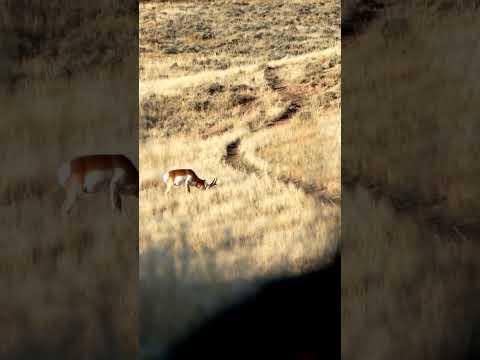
point(61, 41)
point(209, 213)
point(412, 104)
point(217, 244)
point(409, 130)
point(77, 275)
point(203, 250)
point(180, 38)
point(415, 291)
point(292, 151)
point(69, 285)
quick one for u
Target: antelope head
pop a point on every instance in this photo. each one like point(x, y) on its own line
point(212, 184)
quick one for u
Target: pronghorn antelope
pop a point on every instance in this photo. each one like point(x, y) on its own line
point(98, 173)
point(187, 178)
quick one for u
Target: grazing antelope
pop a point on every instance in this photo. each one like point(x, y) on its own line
point(187, 177)
point(98, 173)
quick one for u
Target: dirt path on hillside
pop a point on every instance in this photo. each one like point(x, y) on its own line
point(234, 159)
point(294, 101)
point(293, 97)
point(424, 213)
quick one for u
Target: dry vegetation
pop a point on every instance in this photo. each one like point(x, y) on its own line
point(275, 210)
point(56, 40)
point(410, 273)
point(179, 38)
point(69, 285)
point(418, 116)
point(415, 291)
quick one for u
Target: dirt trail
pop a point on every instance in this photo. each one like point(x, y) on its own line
point(294, 100)
point(177, 84)
point(233, 158)
point(424, 213)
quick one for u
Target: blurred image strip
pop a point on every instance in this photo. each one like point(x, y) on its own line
point(69, 88)
point(410, 180)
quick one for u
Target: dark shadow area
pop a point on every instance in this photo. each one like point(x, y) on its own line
point(292, 318)
point(357, 14)
point(180, 289)
point(191, 305)
point(473, 349)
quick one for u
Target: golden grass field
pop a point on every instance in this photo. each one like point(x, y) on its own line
point(275, 210)
point(410, 194)
point(69, 285)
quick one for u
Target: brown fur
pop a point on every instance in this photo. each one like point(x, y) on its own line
point(199, 183)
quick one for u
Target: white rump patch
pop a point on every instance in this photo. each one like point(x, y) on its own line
point(180, 180)
point(165, 177)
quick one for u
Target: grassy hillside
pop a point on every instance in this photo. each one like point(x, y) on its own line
point(270, 134)
point(179, 38)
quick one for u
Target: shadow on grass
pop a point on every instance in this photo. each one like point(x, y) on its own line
point(189, 308)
